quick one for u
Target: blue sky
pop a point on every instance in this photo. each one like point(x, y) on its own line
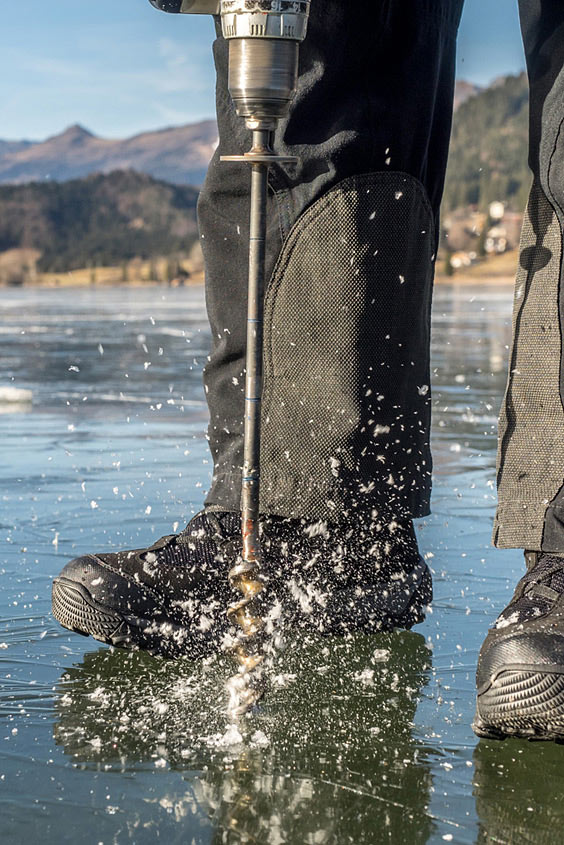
point(120, 67)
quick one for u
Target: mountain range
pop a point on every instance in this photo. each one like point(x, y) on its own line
point(178, 154)
point(84, 201)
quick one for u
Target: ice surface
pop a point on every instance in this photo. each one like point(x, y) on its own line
point(353, 734)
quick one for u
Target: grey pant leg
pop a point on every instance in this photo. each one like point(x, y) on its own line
point(530, 513)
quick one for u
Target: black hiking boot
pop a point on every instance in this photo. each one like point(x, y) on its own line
point(520, 675)
point(171, 598)
point(366, 576)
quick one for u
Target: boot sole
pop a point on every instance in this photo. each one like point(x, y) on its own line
point(524, 704)
point(75, 609)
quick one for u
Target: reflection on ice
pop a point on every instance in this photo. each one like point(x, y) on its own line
point(328, 757)
point(15, 396)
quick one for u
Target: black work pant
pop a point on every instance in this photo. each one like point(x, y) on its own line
point(352, 242)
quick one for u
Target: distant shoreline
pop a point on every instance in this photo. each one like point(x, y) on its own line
point(498, 270)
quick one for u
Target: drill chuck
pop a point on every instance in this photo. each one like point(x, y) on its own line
point(285, 19)
point(264, 37)
point(262, 78)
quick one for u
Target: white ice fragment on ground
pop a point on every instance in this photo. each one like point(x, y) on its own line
point(148, 510)
point(100, 695)
point(456, 447)
point(335, 466)
point(381, 655)
point(460, 378)
point(3, 645)
point(366, 677)
point(55, 540)
point(100, 349)
point(160, 763)
point(232, 736)
point(512, 619)
point(205, 623)
point(284, 679)
point(260, 739)
point(93, 504)
point(146, 364)
point(423, 390)
point(381, 429)
point(316, 529)
point(73, 369)
point(448, 837)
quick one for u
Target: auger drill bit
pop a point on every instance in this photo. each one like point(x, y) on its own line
point(246, 576)
point(264, 38)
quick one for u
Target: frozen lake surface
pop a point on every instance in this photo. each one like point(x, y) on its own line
point(361, 741)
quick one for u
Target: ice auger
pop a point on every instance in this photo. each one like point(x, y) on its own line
point(264, 38)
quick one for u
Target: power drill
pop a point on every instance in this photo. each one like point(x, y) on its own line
point(264, 38)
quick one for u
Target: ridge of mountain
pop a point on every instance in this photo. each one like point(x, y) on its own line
point(177, 154)
point(463, 90)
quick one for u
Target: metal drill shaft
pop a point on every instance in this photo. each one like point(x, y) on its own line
point(263, 69)
point(246, 576)
point(253, 381)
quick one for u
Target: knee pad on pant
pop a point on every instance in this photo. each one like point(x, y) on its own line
point(346, 406)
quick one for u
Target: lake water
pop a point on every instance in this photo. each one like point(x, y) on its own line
point(356, 742)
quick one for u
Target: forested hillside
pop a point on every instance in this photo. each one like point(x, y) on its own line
point(107, 219)
point(100, 220)
point(488, 154)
